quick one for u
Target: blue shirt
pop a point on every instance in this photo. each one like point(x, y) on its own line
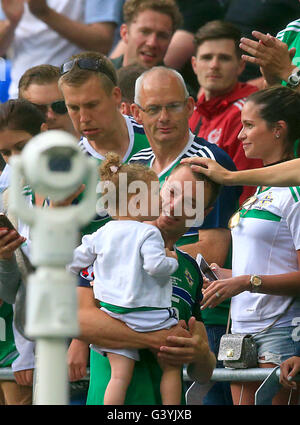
point(105, 11)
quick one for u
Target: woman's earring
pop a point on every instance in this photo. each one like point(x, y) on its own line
point(277, 135)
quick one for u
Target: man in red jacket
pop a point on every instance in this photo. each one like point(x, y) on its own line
point(217, 115)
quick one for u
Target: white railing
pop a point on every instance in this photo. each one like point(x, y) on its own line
point(268, 376)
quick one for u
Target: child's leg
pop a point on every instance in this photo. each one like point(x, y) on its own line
point(121, 374)
point(170, 384)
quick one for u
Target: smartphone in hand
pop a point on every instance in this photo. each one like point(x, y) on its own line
point(5, 223)
point(205, 269)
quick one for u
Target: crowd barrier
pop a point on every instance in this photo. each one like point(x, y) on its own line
point(269, 379)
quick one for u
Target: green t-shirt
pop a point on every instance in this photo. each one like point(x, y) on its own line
point(144, 388)
point(8, 351)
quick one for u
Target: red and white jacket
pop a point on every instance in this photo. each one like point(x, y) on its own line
point(218, 120)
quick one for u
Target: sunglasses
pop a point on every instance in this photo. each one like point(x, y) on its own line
point(59, 107)
point(90, 64)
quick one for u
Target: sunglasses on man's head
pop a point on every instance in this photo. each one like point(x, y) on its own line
point(91, 64)
point(59, 107)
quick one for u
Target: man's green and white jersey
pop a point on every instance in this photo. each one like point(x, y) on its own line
point(137, 141)
point(265, 242)
point(187, 285)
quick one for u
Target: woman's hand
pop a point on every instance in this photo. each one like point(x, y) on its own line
point(10, 240)
point(209, 168)
point(220, 272)
point(220, 290)
point(288, 370)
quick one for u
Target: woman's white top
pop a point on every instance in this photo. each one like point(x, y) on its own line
point(265, 243)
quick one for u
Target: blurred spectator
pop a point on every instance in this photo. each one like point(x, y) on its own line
point(39, 32)
point(39, 85)
point(147, 31)
point(19, 122)
point(5, 67)
point(11, 393)
point(277, 57)
point(217, 117)
point(127, 76)
point(264, 16)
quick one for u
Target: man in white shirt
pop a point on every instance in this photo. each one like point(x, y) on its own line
point(49, 31)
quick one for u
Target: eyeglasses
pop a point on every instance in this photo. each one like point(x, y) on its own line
point(235, 218)
point(59, 107)
point(91, 64)
point(172, 108)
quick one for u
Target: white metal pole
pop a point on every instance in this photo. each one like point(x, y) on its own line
point(51, 387)
point(51, 318)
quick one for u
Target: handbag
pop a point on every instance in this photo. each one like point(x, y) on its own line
point(239, 351)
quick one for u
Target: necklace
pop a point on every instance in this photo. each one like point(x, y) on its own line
point(235, 219)
point(277, 162)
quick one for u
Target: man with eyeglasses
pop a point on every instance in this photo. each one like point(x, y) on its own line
point(39, 85)
point(163, 106)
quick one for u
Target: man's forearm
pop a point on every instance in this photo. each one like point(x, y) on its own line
point(97, 327)
point(96, 37)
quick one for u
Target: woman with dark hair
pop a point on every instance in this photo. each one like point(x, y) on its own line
point(266, 243)
point(19, 122)
point(285, 173)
